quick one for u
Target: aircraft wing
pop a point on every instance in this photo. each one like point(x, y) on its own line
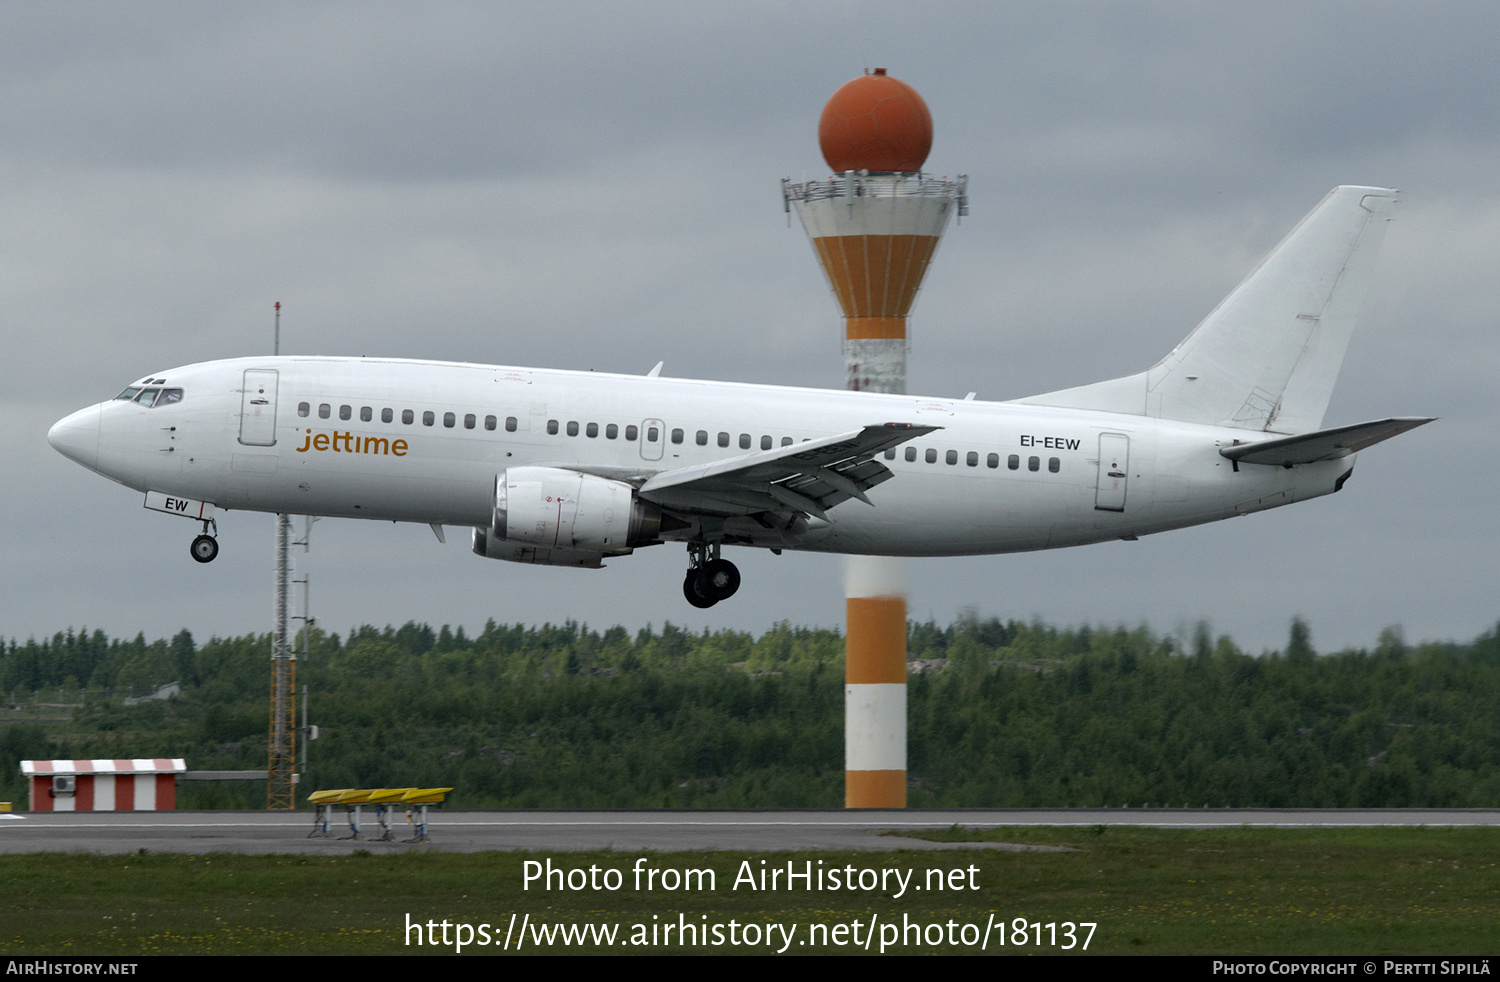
point(1306, 448)
point(809, 477)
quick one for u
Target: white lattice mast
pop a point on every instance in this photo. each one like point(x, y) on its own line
point(281, 754)
point(281, 744)
point(875, 226)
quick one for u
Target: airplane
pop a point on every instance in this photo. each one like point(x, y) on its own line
point(569, 468)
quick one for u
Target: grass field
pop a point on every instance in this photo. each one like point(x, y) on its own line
point(1244, 891)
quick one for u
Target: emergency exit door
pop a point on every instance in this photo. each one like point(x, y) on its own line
point(653, 439)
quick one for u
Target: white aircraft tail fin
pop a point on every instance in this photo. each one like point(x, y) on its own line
point(1267, 357)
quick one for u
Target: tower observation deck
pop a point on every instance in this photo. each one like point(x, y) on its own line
point(876, 224)
point(874, 235)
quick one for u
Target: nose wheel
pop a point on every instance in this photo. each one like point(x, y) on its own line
point(205, 547)
point(709, 578)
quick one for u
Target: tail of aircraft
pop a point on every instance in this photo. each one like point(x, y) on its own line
point(1269, 354)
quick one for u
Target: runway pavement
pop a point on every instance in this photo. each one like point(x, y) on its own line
point(262, 832)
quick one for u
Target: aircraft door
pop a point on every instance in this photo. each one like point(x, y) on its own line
point(258, 408)
point(653, 439)
point(1114, 470)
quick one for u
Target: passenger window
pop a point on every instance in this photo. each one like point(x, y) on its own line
point(552, 427)
point(611, 432)
point(702, 438)
point(385, 415)
point(324, 410)
point(303, 409)
point(786, 441)
point(428, 417)
point(631, 431)
point(591, 431)
point(366, 414)
point(993, 460)
point(677, 436)
point(469, 421)
point(407, 416)
point(911, 454)
point(1033, 463)
point(765, 443)
point(952, 456)
point(345, 412)
point(723, 439)
point(972, 459)
point(449, 420)
point(491, 422)
point(931, 456)
point(1053, 464)
point(890, 454)
point(572, 427)
point(652, 434)
point(1013, 462)
point(510, 424)
point(744, 441)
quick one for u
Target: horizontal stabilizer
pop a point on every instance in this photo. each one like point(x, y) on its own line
point(1322, 445)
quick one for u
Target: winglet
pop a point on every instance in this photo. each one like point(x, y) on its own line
point(655, 371)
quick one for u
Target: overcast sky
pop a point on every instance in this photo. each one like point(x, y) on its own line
point(595, 185)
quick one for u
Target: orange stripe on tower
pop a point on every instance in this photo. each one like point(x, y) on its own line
point(876, 276)
point(874, 789)
point(875, 646)
point(872, 328)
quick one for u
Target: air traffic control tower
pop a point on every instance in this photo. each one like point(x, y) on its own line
point(875, 225)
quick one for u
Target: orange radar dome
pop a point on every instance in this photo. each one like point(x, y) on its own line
point(876, 123)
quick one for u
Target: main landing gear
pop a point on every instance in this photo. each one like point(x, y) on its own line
point(709, 578)
point(205, 547)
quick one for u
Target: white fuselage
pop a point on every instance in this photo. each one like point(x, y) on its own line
point(998, 477)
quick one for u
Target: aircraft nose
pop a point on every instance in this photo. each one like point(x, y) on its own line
point(77, 437)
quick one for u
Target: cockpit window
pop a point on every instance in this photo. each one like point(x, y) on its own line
point(151, 397)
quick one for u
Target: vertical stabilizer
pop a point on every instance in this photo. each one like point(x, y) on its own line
point(1267, 357)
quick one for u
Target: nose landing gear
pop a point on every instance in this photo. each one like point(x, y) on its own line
point(206, 547)
point(709, 578)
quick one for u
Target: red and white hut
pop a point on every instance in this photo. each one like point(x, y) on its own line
point(143, 784)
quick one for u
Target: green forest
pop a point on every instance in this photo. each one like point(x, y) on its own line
point(1001, 714)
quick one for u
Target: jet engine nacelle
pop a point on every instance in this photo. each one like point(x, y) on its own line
point(557, 517)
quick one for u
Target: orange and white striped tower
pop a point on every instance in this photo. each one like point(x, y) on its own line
point(874, 682)
point(875, 226)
